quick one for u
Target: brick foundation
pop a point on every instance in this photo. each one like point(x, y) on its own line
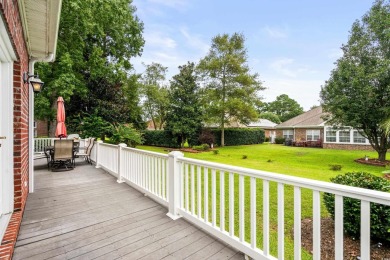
point(347, 146)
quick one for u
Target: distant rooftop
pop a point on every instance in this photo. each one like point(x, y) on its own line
point(262, 123)
point(312, 117)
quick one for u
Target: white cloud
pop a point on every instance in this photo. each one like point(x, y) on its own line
point(275, 33)
point(280, 66)
point(195, 41)
point(159, 40)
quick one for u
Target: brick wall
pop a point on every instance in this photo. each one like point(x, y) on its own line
point(347, 146)
point(42, 128)
point(10, 13)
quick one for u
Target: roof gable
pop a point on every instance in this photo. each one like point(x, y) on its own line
point(312, 117)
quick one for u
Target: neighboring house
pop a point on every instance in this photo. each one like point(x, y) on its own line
point(265, 124)
point(40, 128)
point(28, 33)
point(310, 126)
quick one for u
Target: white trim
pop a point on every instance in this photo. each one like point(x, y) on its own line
point(7, 56)
point(351, 142)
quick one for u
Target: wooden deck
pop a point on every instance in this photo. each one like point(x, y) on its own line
point(86, 214)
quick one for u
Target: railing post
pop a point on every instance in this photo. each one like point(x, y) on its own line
point(120, 147)
point(98, 153)
point(174, 183)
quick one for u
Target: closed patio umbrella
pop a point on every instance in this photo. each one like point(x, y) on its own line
point(61, 128)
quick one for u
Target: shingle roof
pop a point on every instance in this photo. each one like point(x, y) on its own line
point(310, 118)
point(262, 123)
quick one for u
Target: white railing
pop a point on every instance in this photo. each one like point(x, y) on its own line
point(41, 143)
point(210, 195)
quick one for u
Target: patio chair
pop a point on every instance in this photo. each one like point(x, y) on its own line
point(87, 153)
point(63, 156)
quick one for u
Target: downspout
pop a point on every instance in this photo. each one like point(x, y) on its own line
point(31, 63)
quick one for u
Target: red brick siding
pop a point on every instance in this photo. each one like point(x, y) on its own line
point(300, 133)
point(347, 146)
point(42, 128)
point(10, 12)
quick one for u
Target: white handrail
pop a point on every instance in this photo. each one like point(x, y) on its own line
point(184, 186)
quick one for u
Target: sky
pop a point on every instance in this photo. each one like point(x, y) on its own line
point(292, 45)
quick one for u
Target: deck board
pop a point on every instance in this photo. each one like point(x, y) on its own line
point(86, 214)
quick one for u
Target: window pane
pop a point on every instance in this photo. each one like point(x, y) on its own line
point(358, 138)
point(330, 135)
point(344, 136)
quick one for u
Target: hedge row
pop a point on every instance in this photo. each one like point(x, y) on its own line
point(240, 136)
point(159, 138)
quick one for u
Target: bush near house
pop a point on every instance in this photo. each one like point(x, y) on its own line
point(160, 138)
point(279, 140)
point(240, 136)
point(380, 214)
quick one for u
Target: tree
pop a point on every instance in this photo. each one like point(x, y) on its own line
point(285, 107)
point(358, 90)
point(232, 92)
point(271, 117)
point(94, 48)
point(155, 94)
point(185, 115)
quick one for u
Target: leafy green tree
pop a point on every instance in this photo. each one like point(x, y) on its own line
point(155, 94)
point(185, 115)
point(90, 125)
point(232, 92)
point(96, 40)
point(271, 117)
point(284, 107)
point(126, 134)
point(358, 90)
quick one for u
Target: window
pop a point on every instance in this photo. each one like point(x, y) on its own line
point(330, 135)
point(358, 138)
point(288, 134)
point(344, 136)
point(312, 135)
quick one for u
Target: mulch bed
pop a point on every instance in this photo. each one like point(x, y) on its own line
point(351, 246)
point(189, 150)
point(373, 162)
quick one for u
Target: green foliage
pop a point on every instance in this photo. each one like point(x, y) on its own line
point(240, 136)
point(216, 152)
point(380, 214)
point(96, 40)
point(280, 140)
point(231, 92)
point(271, 117)
point(126, 134)
point(335, 167)
point(202, 147)
point(89, 126)
point(284, 107)
point(357, 92)
point(185, 115)
point(160, 138)
point(245, 156)
point(155, 94)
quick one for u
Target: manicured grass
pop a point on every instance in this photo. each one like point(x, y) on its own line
point(313, 163)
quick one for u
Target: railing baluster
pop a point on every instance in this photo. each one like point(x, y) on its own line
point(253, 212)
point(241, 209)
point(231, 204)
point(159, 177)
point(153, 174)
point(187, 188)
point(181, 176)
point(316, 225)
point(297, 222)
point(222, 200)
point(280, 221)
point(206, 194)
point(365, 230)
point(339, 227)
point(266, 217)
point(164, 177)
point(213, 197)
point(192, 189)
point(199, 173)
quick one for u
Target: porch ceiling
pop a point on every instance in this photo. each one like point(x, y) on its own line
point(40, 20)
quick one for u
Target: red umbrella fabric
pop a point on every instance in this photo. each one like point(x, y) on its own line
point(61, 128)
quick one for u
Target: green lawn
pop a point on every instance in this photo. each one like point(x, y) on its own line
point(310, 163)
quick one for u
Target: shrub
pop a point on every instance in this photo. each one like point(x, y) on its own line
point(215, 152)
point(160, 138)
point(202, 147)
point(126, 134)
point(206, 137)
point(335, 167)
point(240, 136)
point(245, 156)
point(279, 140)
point(380, 214)
point(266, 139)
